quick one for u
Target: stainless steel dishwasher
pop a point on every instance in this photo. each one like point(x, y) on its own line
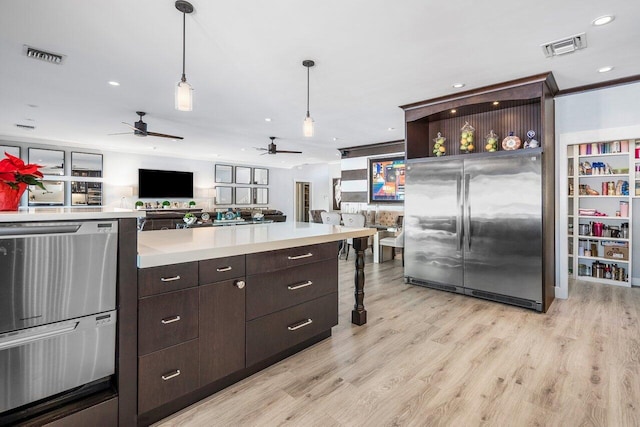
point(57, 309)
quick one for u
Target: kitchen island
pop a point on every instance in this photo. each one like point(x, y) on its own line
point(218, 304)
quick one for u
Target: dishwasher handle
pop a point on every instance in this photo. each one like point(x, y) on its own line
point(28, 336)
point(31, 230)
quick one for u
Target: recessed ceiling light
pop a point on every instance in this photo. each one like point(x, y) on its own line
point(390, 129)
point(457, 85)
point(335, 138)
point(496, 103)
point(243, 149)
point(453, 111)
point(605, 69)
point(267, 119)
point(114, 83)
point(603, 20)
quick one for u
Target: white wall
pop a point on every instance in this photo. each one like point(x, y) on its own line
point(282, 184)
point(599, 115)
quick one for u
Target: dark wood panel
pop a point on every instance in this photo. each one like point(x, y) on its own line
point(417, 144)
point(518, 119)
point(167, 319)
point(355, 174)
point(222, 330)
point(354, 196)
point(372, 149)
point(216, 270)
point(104, 414)
point(270, 292)
point(163, 224)
point(153, 390)
point(127, 336)
point(264, 262)
point(548, 203)
point(167, 278)
point(269, 335)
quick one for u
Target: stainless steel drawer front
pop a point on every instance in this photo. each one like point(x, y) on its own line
point(56, 271)
point(45, 360)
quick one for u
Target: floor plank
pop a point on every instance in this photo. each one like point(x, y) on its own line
point(429, 357)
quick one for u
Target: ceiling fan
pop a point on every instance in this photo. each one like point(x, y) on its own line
point(272, 148)
point(140, 129)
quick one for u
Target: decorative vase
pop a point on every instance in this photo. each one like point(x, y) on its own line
point(10, 197)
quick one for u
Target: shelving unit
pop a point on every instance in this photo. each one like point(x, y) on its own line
point(600, 247)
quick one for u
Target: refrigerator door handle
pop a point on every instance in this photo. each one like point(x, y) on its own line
point(467, 217)
point(460, 214)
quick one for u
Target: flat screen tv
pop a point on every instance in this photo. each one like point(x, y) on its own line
point(386, 180)
point(164, 184)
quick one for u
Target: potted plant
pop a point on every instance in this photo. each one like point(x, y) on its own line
point(192, 204)
point(189, 218)
point(15, 176)
point(139, 205)
point(166, 204)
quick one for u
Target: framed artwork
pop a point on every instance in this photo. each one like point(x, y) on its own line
point(224, 195)
point(52, 161)
point(261, 196)
point(243, 195)
point(14, 151)
point(337, 193)
point(224, 174)
point(243, 175)
point(86, 164)
point(53, 195)
point(260, 176)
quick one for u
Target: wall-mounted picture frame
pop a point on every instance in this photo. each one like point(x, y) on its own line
point(260, 196)
point(11, 149)
point(243, 175)
point(224, 195)
point(243, 195)
point(223, 174)
point(53, 195)
point(260, 176)
point(86, 164)
point(52, 161)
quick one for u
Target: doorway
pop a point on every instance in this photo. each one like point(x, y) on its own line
point(302, 201)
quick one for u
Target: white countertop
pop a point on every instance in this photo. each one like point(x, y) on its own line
point(164, 247)
point(67, 214)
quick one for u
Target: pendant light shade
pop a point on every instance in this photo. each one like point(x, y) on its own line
point(307, 125)
point(184, 91)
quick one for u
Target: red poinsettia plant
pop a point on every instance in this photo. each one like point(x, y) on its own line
point(14, 172)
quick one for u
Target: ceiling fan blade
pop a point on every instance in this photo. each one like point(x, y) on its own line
point(163, 135)
point(121, 133)
point(261, 149)
point(287, 151)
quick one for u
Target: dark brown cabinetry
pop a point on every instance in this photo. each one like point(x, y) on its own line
point(207, 324)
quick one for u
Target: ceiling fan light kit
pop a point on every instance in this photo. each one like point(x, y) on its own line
point(184, 91)
point(307, 125)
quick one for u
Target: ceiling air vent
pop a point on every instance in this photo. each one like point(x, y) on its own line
point(53, 58)
point(27, 127)
point(566, 45)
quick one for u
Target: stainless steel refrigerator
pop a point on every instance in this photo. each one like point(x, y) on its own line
point(473, 225)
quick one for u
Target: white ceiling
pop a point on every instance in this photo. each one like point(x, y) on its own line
point(244, 60)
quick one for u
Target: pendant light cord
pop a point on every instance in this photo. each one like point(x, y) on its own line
point(184, 24)
point(307, 91)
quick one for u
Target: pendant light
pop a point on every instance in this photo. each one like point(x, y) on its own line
point(184, 91)
point(307, 126)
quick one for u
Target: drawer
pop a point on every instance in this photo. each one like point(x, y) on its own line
point(167, 319)
point(163, 224)
point(270, 292)
point(265, 262)
point(219, 269)
point(269, 335)
point(166, 375)
point(166, 278)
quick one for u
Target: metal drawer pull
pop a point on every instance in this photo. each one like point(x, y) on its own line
point(169, 279)
point(300, 286)
point(170, 320)
point(172, 375)
point(300, 256)
point(223, 269)
point(300, 325)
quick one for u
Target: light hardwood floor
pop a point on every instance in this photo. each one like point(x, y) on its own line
point(429, 357)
